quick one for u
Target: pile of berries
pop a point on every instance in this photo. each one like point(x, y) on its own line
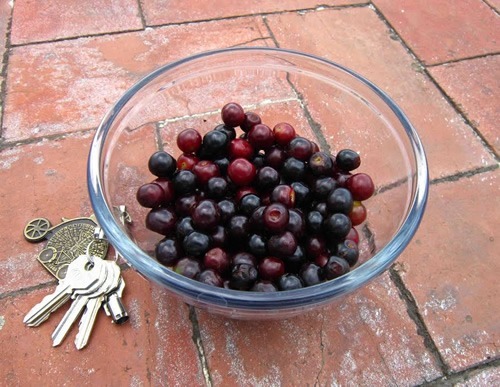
point(263, 211)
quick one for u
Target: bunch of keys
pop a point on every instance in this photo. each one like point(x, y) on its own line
point(90, 282)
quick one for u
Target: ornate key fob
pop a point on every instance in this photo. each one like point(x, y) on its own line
point(66, 242)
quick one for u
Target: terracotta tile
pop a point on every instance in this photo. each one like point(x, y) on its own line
point(77, 81)
point(473, 85)
point(451, 267)
point(34, 22)
point(486, 377)
point(48, 180)
point(357, 38)
point(158, 12)
point(446, 31)
point(153, 347)
point(365, 339)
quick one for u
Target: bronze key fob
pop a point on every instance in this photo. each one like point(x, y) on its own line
point(66, 242)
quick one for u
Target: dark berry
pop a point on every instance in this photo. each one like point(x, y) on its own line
point(349, 251)
point(184, 227)
point(261, 136)
point(196, 244)
point(315, 245)
point(293, 170)
point(302, 195)
point(296, 224)
point(300, 148)
point(227, 209)
point(256, 219)
point(347, 160)
point(206, 215)
point(188, 267)
point(295, 261)
point(216, 188)
point(361, 186)
point(264, 286)
point(243, 277)
point(210, 277)
point(257, 245)
point(218, 236)
point(321, 208)
point(150, 195)
point(185, 205)
point(275, 217)
point(337, 226)
point(222, 163)
point(185, 182)
point(243, 258)
point(275, 157)
point(233, 114)
point(251, 119)
point(289, 282)
point(311, 274)
point(189, 140)
point(282, 245)
point(244, 191)
point(214, 145)
point(335, 267)
point(340, 200)
point(267, 178)
point(228, 130)
point(314, 222)
point(283, 194)
point(271, 268)
point(259, 161)
point(241, 172)
point(161, 220)
point(162, 164)
point(238, 228)
point(320, 164)
point(322, 187)
point(168, 251)
point(249, 203)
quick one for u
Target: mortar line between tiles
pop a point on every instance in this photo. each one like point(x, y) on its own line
point(472, 57)
point(415, 315)
point(491, 7)
point(188, 22)
point(141, 13)
point(487, 146)
point(5, 65)
point(29, 289)
point(198, 342)
point(34, 140)
point(462, 376)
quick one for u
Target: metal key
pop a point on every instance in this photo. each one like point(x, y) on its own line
point(78, 277)
point(93, 305)
point(78, 305)
point(113, 305)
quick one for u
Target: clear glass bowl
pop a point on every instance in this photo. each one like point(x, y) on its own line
point(323, 100)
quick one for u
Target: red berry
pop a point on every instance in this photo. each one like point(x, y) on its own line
point(187, 161)
point(216, 259)
point(275, 217)
point(150, 195)
point(271, 268)
point(300, 148)
point(189, 140)
point(261, 136)
point(361, 186)
point(240, 148)
point(168, 189)
point(353, 235)
point(358, 213)
point(283, 194)
point(233, 114)
point(205, 170)
point(241, 172)
point(283, 133)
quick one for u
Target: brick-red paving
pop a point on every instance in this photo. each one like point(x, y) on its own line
point(433, 318)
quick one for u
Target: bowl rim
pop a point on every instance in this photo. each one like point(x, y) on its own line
point(228, 298)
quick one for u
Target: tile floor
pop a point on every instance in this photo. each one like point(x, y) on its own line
point(433, 319)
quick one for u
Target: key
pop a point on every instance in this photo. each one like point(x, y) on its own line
point(93, 305)
point(78, 305)
point(78, 277)
point(113, 305)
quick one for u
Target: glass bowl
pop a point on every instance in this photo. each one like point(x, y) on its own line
point(324, 101)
